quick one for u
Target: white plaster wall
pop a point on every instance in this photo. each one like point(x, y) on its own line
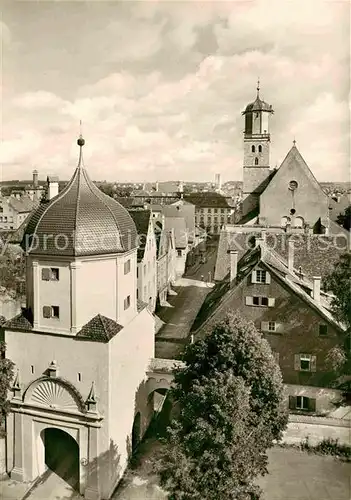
point(130, 352)
point(96, 289)
point(126, 285)
point(147, 284)
point(55, 293)
point(90, 359)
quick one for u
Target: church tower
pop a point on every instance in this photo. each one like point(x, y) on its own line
point(256, 151)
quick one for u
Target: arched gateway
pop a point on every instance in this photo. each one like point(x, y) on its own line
point(61, 455)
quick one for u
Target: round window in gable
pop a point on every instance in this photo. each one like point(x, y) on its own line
point(293, 185)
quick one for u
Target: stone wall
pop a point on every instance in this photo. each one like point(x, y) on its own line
point(316, 429)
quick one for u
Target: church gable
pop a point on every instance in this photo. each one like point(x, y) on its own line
point(293, 195)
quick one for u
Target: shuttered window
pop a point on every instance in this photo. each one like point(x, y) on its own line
point(51, 312)
point(302, 403)
point(305, 363)
point(45, 274)
point(260, 276)
point(47, 312)
point(260, 301)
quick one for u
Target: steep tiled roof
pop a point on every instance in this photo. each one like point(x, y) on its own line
point(141, 220)
point(80, 220)
point(224, 290)
point(100, 329)
point(22, 321)
point(141, 305)
point(316, 254)
point(23, 204)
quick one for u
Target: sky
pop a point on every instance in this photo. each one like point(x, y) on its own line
point(160, 86)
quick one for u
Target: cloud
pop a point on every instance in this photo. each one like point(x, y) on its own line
point(156, 104)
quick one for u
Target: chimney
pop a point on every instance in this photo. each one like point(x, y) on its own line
point(35, 178)
point(53, 187)
point(316, 292)
point(233, 264)
point(291, 251)
point(156, 186)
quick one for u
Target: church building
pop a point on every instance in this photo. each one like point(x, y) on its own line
point(289, 196)
point(82, 346)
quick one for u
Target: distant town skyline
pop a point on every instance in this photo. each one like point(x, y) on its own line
point(160, 86)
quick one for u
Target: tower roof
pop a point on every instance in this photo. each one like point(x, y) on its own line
point(80, 220)
point(258, 104)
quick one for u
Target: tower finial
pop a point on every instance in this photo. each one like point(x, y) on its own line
point(80, 143)
point(294, 141)
point(258, 86)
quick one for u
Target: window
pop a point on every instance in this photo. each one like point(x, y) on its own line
point(305, 363)
point(79, 377)
point(55, 311)
point(215, 220)
point(260, 149)
point(256, 161)
point(32, 369)
point(127, 302)
point(261, 276)
point(271, 326)
point(253, 149)
point(323, 330)
point(127, 267)
point(137, 271)
point(260, 301)
point(222, 211)
point(215, 210)
point(302, 403)
point(50, 274)
point(179, 252)
point(137, 294)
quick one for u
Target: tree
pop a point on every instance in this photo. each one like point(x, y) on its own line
point(229, 396)
point(6, 376)
point(338, 282)
point(344, 219)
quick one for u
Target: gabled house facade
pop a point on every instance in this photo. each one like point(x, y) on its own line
point(166, 262)
point(292, 313)
point(147, 251)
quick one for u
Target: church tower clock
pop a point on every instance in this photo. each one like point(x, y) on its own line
point(256, 151)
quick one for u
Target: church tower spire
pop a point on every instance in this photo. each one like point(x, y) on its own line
point(256, 150)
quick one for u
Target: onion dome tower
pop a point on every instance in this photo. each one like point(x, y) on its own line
point(256, 151)
point(80, 220)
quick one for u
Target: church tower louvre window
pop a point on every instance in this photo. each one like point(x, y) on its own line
point(256, 150)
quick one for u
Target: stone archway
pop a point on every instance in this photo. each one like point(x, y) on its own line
point(61, 455)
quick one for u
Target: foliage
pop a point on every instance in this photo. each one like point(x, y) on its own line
point(12, 271)
point(230, 411)
point(6, 376)
point(338, 282)
point(327, 446)
point(113, 190)
point(344, 219)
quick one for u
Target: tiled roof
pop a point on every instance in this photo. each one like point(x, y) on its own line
point(80, 220)
point(100, 329)
point(258, 105)
point(279, 268)
point(315, 254)
point(141, 220)
point(22, 321)
point(180, 230)
point(23, 204)
point(141, 305)
point(207, 200)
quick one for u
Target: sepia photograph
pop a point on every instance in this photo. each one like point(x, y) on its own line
point(175, 250)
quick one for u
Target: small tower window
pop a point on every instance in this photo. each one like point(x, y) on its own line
point(256, 161)
point(32, 367)
point(253, 149)
point(260, 148)
point(79, 377)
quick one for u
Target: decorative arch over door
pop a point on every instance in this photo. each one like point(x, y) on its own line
point(54, 393)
